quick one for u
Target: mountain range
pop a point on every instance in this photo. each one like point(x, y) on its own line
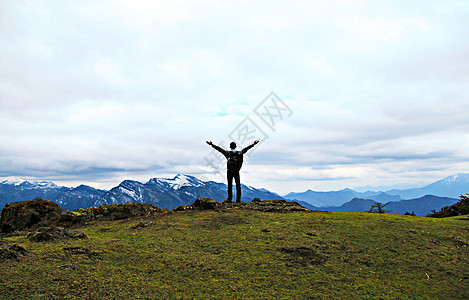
point(162, 192)
point(184, 189)
point(337, 198)
point(419, 206)
point(451, 187)
point(69, 198)
point(180, 190)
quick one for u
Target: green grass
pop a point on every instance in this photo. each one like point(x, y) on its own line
point(242, 254)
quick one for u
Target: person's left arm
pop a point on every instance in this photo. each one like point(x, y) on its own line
point(249, 147)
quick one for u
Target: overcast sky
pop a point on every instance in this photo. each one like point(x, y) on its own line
point(369, 92)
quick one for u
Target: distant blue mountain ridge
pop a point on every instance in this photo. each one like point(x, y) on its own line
point(450, 187)
point(337, 198)
point(420, 207)
point(184, 189)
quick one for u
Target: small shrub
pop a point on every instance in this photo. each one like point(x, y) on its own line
point(459, 208)
point(377, 208)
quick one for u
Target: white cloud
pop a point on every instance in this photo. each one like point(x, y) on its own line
point(109, 89)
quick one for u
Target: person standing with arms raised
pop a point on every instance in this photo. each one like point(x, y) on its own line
point(233, 165)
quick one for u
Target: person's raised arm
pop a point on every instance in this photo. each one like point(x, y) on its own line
point(250, 146)
point(219, 149)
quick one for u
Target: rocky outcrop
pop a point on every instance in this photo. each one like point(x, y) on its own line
point(205, 203)
point(256, 204)
point(275, 206)
point(109, 212)
point(33, 214)
point(28, 214)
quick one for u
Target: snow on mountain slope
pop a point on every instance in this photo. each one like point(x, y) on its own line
point(29, 184)
point(178, 181)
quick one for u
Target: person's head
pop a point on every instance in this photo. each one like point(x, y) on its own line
point(232, 145)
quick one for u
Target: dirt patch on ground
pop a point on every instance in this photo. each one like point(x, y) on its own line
point(13, 252)
point(303, 256)
point(46, 234)
point(80, 251)
point(217, 222)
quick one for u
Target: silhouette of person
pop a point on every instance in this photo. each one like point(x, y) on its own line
point(233, 165)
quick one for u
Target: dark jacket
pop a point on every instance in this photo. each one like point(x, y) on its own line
point(234, 158)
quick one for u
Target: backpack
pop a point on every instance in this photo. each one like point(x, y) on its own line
point(235, 160)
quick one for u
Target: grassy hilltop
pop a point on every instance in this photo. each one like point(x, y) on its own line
point(244, 254)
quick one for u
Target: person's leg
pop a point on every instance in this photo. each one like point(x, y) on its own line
point(238, 186)
point(229, 177)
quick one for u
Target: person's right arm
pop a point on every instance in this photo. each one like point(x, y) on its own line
point(219, 149)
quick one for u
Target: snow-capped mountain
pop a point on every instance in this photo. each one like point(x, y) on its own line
point(68, 198)
point(162, 192)
point(178, 181)
point(29, 184)
point(172, 192)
